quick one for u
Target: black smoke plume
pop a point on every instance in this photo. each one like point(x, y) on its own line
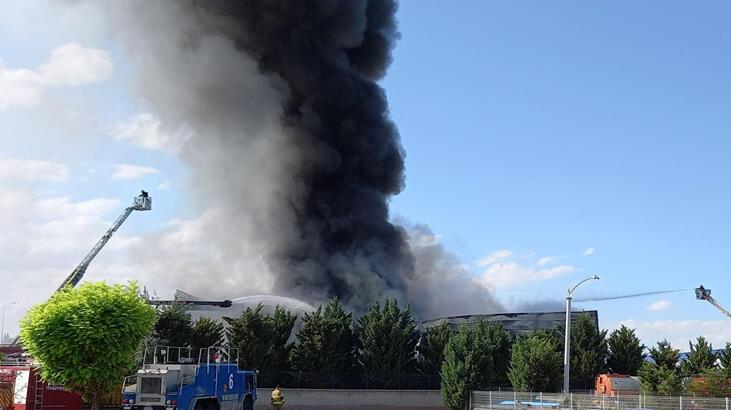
point(292, 152)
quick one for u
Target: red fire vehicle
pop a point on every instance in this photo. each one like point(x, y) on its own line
point(21, 387)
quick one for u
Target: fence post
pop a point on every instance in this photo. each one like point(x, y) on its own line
point(491, 400)
point(540, 395)
point(515, 400)
point(726, 403)
point(471, 394)
point(603, 401)
point(681, 402)
point(639, 400)
point(617, 401)
point(571, 400)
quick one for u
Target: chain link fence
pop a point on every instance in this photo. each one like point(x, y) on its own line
point(497, 400)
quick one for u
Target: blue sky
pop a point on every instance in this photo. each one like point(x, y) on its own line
point(534, 131)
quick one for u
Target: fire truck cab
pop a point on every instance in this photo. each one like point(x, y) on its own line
point(21, 387)
point(170, 379)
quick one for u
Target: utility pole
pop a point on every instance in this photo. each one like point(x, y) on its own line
point(2, 327)
point(567, 332)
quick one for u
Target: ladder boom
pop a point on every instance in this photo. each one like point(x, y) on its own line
point(143, 202)
point(78, 273)
point(718, 306)
point(702, 293)
point(219, 303)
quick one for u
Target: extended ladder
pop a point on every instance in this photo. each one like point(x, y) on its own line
point(38, 390)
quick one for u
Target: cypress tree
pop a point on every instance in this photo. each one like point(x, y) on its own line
point(625, 352)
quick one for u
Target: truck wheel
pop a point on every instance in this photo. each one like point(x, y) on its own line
point(248, 403)
point(198, 406)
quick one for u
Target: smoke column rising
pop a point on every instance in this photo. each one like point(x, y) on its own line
point(291, 151)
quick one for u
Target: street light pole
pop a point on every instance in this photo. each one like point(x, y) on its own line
point(567, 333)
point(2, 327)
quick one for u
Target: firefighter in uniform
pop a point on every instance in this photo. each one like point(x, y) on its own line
point(277, 398)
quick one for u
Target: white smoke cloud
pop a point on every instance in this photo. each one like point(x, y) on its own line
point(147, 131)
point(441, 285)
point(250, 170)
point(240, 169)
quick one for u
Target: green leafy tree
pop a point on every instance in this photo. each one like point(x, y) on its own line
point(664, 355)
point(174, 327)
point(388, 343)
point(326, 344)
point(625, 352)
point(205, 333)
point(86, 338)
point(536, 363)
point(474, 359)
point(261, 339)
point(432, 348)
point(700, 358)
point(588, 353)
point(724, 358)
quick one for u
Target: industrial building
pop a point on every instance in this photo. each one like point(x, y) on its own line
point(517, 324)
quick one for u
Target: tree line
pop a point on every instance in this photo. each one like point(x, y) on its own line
point(384, 349)
point(86, 338)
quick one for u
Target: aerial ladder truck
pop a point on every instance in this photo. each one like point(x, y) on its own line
point(142, 202)
point(702, 293)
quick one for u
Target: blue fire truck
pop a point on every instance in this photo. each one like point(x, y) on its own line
point(170, 379)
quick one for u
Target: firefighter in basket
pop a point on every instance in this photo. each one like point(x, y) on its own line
point(277, 398)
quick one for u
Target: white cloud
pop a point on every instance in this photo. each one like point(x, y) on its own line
point(31, 169)
point(62, 225)
point(547, 260)
point(19, 87)
point(43, 238)
point(62, 206)
point(589, 252)
point(660, 305)
point(147, 131)
point(69, 65)
point(127, 171)
point(164, 186)
point(494, 257)
point(74, 64)
point(501, 270)
point(680, 332)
